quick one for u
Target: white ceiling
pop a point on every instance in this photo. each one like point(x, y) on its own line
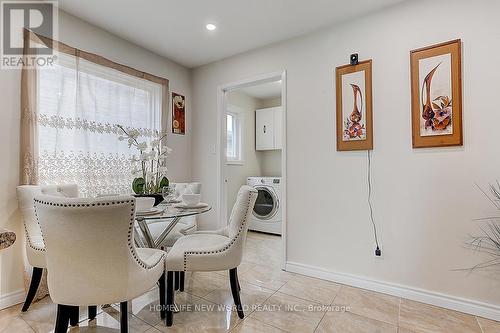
point(176, 28)
point(264, 90)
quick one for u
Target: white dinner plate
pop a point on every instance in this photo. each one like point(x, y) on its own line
point(151, 211)
point(186, 206)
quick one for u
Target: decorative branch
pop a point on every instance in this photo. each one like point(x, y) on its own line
point(489, 241)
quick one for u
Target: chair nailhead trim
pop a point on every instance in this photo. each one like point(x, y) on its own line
point(131, 245)
point(38, 222)
point(30, 244)
point(225, 248)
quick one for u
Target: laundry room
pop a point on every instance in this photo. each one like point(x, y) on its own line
point(254, 143)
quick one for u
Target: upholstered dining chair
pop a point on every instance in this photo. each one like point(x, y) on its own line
point(213, 251)
point(35, 248)
point(186, 226)
point(91, 257)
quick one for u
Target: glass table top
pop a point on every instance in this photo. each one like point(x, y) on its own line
point(171, 211)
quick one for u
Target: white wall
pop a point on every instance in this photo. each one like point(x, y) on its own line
point(82, 35)
point(11, 280)
point(424, 199)
point(270, 102)
point(270, 163)
point(237, 173)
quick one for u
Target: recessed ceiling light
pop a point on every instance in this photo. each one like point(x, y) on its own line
point(211, 27)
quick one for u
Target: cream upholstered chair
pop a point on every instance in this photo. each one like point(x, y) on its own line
point(35, 248)
point(91, 256)
point(213, 251)
point(185, 226)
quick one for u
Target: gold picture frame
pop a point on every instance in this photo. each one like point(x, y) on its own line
point(354, 106)
point(436, 95)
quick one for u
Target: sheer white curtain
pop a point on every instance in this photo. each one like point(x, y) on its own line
point(79, 105)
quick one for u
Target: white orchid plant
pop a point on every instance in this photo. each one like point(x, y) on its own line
point(149, 167)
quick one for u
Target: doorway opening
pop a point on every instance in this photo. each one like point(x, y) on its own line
point(252, 151)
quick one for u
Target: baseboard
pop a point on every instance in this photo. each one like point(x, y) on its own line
point(476, 308)
point(12, 298)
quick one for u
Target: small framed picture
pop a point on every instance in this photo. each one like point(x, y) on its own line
point(178, 114)
point(354, 107)
point(436, 95)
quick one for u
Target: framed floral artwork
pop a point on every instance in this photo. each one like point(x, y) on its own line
point(178, 114)
point(436, 93)
point(354, 107)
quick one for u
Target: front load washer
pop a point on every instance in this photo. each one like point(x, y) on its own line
point(267, 213)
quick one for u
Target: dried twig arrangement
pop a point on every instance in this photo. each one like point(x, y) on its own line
point(489, 241)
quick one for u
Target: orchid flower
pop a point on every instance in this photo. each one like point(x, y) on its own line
point(150, 161)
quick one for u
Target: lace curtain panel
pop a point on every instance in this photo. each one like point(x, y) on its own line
point(70, 112)
point(69, 117)
point(29, 135)
point(79, 104)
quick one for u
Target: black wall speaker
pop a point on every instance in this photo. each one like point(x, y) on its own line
point(354, 59)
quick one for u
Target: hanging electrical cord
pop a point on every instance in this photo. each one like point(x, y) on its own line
point(378, 252)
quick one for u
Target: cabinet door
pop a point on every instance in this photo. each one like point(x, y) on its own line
point(278, 128)
point(264, 131)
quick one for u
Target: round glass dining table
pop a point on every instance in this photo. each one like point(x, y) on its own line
point(167, 213)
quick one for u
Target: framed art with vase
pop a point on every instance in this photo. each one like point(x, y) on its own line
point(436, 95)
point(354, 107)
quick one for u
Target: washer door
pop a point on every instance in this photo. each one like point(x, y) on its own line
point(266, 204)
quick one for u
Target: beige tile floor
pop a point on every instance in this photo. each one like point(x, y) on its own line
point(275, 301)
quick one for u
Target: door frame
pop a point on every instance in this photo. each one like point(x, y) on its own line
point(222, 91)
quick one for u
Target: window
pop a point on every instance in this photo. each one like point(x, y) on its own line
point(234, 129)
point(79, 105)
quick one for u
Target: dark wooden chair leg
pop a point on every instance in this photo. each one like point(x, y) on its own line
point(163, 304)
point(181, 282)
point(233, 278)
point(170, 298)
point(238, 283)
point(177, 278)
point(35, 282)
point(62, 318)
point(74, 316)
point(92, 312)
point(124, 317)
